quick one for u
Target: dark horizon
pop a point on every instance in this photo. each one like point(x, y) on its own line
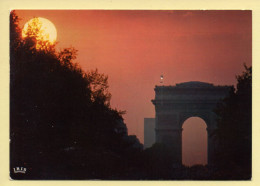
point(63, 118)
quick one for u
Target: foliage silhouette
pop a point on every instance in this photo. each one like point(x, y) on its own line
point(234, 132)
point(61, 122)
point(36, 33)
point(63, 127)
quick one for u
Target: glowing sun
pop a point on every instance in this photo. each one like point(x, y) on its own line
point(40, 28)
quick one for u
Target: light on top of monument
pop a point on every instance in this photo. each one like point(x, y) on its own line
point(161, 81)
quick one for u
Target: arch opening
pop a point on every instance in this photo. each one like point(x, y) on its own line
point(194, 142)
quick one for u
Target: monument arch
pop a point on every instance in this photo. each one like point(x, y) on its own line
point(175, 104)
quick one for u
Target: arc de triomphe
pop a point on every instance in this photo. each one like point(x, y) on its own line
point(175, 104)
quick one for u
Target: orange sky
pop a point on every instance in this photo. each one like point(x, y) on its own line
point(135, 47)
point(194, 142)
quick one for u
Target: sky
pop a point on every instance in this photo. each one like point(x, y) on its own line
point(134, 47)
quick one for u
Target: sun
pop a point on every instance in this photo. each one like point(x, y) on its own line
point(40, 28)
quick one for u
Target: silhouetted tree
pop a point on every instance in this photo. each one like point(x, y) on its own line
point(63, 127)
point(61, 122)
point(234, 131)
point(35, 32)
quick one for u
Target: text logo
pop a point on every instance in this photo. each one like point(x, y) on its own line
point(19, 170)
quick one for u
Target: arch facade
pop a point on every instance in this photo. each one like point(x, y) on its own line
point(175, 104)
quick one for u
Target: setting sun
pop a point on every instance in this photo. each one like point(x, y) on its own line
point(41, 28)
point(130, 94)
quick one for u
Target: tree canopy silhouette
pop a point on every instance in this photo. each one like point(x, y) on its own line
point(63, 127)
point(61, 121)
point(35, 31)
point(234, 131)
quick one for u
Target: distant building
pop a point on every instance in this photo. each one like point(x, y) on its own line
point(149, 132)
